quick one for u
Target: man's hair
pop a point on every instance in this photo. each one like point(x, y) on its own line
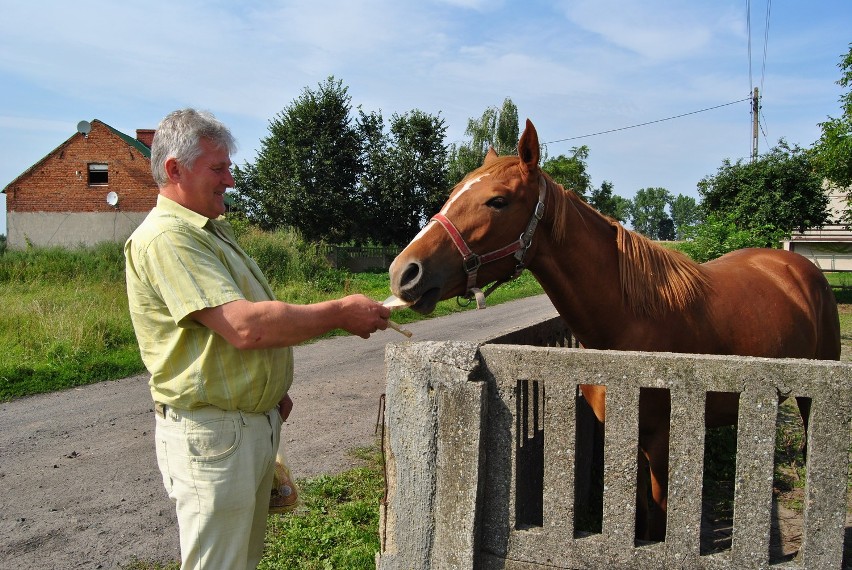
point(179, 136)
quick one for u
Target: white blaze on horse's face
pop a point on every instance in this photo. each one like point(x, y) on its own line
point(449, 203)
point(446, 209)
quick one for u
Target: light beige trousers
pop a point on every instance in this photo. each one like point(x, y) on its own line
point(217, 467)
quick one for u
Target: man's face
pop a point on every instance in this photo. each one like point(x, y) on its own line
point(203, 186)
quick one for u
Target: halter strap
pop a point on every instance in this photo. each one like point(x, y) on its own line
point(472, 262)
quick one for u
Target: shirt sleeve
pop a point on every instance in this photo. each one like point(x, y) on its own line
point(187, 274)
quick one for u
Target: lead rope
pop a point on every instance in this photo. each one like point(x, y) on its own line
point(380, 421)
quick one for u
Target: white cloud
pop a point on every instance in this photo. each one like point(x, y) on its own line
point(656, 31)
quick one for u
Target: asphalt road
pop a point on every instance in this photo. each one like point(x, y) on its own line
point(79, 485)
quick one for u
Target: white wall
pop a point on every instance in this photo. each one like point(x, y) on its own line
point(70, 229)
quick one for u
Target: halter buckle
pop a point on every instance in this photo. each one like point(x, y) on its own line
point(471, 263)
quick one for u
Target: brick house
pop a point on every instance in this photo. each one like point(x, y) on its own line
point(94, 187)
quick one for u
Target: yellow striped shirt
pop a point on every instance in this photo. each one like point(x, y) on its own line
point(177, 262)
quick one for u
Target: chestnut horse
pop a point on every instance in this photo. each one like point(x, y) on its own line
point(617, 289)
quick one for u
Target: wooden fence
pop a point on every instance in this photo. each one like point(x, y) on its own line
point(361, 259)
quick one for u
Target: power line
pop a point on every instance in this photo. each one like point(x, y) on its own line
point(765, 41)
point(763, 128)
point(649, 122)
point(755, 108)
point(748, 34)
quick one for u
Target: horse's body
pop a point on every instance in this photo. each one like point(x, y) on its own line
point(618, 290)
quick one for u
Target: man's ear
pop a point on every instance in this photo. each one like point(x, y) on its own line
point(173, 169)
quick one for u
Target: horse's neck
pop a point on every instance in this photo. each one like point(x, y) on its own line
point(580, 274)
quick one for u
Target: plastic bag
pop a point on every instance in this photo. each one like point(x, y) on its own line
point(285, 493)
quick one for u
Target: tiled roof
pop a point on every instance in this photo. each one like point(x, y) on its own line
point(135, 143)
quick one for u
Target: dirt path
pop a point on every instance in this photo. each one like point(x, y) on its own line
point(79, 486)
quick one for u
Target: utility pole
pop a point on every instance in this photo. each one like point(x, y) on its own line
point(755, 109)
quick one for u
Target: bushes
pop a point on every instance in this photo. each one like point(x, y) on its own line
point(719, 235)
point(285, 258)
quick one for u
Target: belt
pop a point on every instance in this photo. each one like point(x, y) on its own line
point(161, 409)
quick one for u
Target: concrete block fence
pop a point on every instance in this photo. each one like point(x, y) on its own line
point(482, 456)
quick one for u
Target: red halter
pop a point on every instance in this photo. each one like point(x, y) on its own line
point(472, 262)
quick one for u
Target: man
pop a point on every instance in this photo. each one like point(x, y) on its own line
point(217, 345)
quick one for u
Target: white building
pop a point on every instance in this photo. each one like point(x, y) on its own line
point(830, 247)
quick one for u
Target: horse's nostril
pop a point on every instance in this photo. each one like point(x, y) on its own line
point(411, 275)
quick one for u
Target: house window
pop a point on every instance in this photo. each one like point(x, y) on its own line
point(98, 174)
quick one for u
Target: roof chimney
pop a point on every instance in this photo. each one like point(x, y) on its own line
point(145, 136)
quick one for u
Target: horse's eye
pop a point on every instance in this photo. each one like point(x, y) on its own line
point(497, 202)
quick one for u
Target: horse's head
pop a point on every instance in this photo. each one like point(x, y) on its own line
point(474, 239)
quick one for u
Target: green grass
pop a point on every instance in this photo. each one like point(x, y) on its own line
point(839, 278)
point(337, 524)
point(64, 321)
point(789, 460)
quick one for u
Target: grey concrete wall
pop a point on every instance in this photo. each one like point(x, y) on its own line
point(69, 229)
point(452, 445)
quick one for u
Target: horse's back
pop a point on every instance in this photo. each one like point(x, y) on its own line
point(789, 290)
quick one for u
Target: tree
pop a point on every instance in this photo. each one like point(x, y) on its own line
point(776, 194)
point(648, 213)
point(833, 151)
point(496, 128)
point(307, 168)
point(376, 175)
point(609, 204)
point(507, 131)
point(685, 212)
point(338, 180)
point(570, 171)
point(247, 196)
point(419, 140)
point(405, 175)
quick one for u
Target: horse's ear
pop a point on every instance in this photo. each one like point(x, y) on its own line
point(528, 149)
point(490, 155)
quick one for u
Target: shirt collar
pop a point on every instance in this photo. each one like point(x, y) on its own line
point(169, 206)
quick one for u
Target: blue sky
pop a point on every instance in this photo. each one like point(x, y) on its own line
point(574, 68)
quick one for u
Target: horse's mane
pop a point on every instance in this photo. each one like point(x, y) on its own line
point(654, 280)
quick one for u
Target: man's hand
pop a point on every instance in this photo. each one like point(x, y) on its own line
point(362, 316)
